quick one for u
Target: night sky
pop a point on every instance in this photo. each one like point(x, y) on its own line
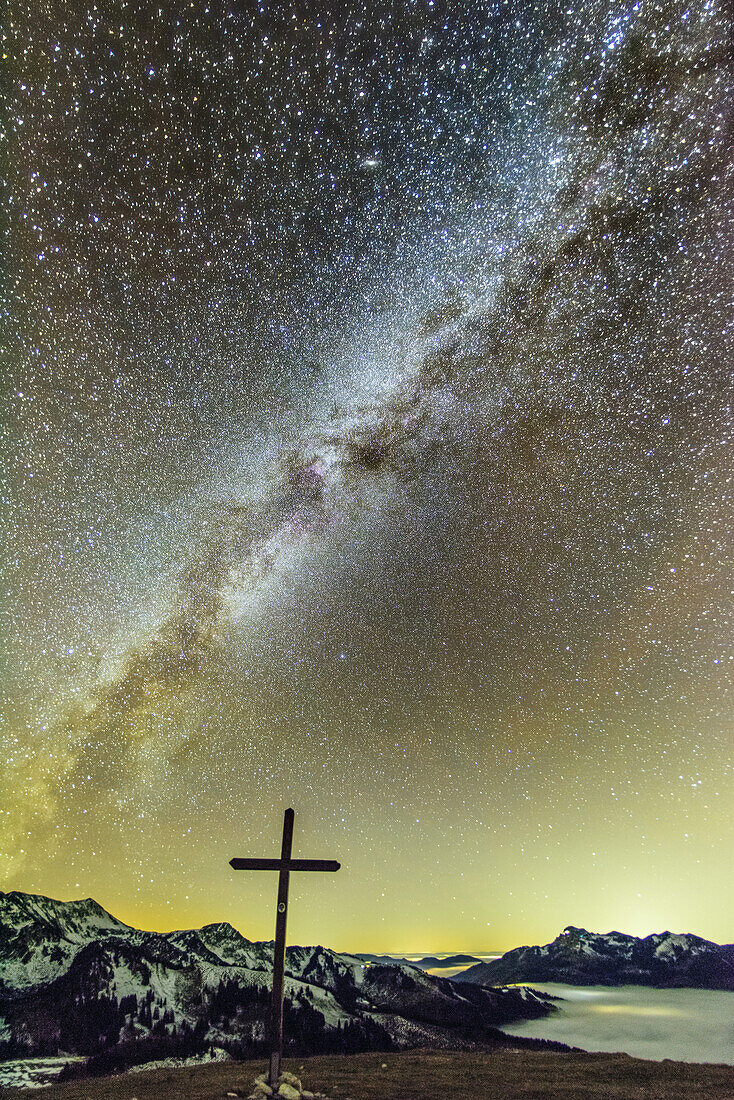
point(366, 372)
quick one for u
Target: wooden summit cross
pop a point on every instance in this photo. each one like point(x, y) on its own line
point(284, 865)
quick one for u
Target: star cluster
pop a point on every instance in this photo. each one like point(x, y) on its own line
point(367, 450)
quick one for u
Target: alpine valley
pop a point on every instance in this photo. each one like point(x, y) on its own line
point(76, 980)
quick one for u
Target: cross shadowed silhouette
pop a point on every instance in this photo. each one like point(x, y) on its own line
point(284, 865)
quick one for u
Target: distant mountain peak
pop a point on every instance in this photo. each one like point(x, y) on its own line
point(21, 906)
point(577, 956)
point(223, 927)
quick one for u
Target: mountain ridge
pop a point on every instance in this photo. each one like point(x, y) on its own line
point(427, 962)
point(577, 957)
point(76, 979)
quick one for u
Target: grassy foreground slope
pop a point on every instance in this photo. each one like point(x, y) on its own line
point(427, 1075)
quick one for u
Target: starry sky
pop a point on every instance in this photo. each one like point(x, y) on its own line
point(366, 450)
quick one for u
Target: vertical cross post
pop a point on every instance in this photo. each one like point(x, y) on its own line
point(284, 866)
point(281, 916)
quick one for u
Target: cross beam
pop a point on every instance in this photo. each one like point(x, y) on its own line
point(276, 864)
point(284, 865)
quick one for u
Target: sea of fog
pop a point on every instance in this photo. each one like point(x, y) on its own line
point(445, 971)
point(688, 1025)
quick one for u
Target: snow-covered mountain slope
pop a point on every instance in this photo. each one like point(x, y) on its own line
point(664, 959)
point(40, 937)
point(76, 979)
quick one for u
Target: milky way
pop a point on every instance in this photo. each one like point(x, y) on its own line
point(367, 451)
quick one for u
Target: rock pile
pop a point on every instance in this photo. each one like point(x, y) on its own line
point(289, 1088)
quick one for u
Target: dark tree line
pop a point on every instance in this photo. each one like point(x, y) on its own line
point(116, 1033)
point(183, 1043)
point(231, 1000)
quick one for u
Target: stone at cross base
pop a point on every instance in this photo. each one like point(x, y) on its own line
point(288, 1088)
